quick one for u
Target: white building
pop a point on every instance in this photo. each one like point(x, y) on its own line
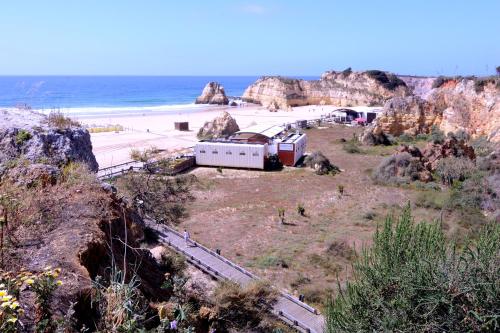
point(251, 147)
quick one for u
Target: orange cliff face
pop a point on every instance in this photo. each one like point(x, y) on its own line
point(468, 104)
point(334, 88)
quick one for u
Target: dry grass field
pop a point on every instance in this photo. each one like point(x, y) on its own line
point(237, 211)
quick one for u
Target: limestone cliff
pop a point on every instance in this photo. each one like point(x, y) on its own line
point(468, 104)
point(213, 93)
point(44, 139)
point(345, 88)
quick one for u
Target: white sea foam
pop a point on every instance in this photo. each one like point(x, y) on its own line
point(125, 110)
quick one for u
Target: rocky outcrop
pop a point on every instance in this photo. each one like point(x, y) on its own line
point(221, 127)
point(419, 85)
point(468, 104)
point(345, 88)
point(409, 163)
point(213, 93)
point(407, 115)
point(30, 136)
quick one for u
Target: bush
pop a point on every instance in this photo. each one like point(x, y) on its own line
point(440, 81)
point(451, 169)
point(387, 80)
point(60, 121)
point(413, 280)
point(352, 147)
point(301, 210)
point(161, 198)
point(405, 138)
point(482, 147)
point(399, 168)
point(346, 72)
point(244, 307)
point(320, 164)
point(22, 136)
point(437, 136)
point(433, 200)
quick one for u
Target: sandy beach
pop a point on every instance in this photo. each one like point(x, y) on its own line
point(157, 130)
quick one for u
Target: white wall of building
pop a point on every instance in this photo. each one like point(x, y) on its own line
point(300, 148)
point(226, 154)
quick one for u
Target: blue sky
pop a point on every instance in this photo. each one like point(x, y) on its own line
point(160, 37)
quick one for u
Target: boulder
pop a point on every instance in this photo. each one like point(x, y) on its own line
point(28, 135)
point(221, 127)
point(213, 93)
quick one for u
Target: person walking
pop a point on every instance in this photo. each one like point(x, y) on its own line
point(186, 237)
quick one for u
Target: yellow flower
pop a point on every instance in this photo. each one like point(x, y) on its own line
point(30, 281)
point(59, 283)
point(6, 298)
point(5, 304)
point(14, 305)
point(12, 320)
point(3, 292)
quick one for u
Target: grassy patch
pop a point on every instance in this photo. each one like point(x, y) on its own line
point(60, 121)
point(104, 129)
point(22, 136)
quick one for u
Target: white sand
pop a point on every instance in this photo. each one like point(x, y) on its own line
point(114, 148)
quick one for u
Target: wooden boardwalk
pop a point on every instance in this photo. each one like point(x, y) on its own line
point(289, 309)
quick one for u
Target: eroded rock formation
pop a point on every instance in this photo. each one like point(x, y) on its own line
point(468, 104)
point(220, 127)
point(345, 88)
point(409, 163)
point(213, 93)
point(30, 136)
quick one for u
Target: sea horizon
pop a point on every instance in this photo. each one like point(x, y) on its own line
point(95, 94)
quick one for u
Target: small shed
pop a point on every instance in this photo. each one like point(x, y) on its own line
point(182, 126)
point(292, 148)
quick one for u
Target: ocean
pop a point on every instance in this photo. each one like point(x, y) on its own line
point(87, 95)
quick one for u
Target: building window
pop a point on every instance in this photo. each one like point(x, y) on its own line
point(242, 153)
point(229, 153)
point(255, 154)
point(202, 151)
point(215, 152)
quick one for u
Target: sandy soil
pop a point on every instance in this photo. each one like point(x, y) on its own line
point(144, 131)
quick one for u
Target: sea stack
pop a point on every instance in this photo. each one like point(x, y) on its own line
point(213, 93)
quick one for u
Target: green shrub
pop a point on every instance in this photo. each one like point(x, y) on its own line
point(413, 280)
point(405, 138)
point(161, 198)
point(387, 80)
point(60, 121)
point(396, 169)
point(243, 307)
point(482, 147)
point(352, 147)
point(320, 164)
point(301, 209)
point(433, 200)
point(437, 136)
point(346, 72)
point(22, 136)
point(422, 137)
point(451, 169)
